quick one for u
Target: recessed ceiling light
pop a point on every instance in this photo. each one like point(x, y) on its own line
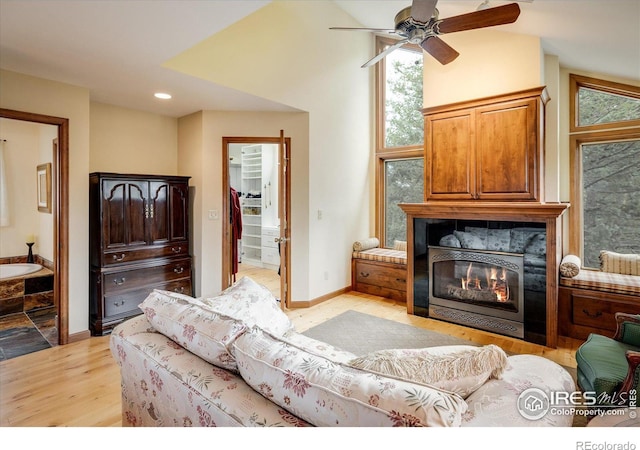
point(162, 95)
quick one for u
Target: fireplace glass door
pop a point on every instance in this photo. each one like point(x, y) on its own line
point(489, 283)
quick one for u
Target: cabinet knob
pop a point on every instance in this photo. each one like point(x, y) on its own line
point(119, 303)
point(119, 282)
point(119, 258)
point(364, 274)
point(179, 290)
point(178, 270)
point(176, 249)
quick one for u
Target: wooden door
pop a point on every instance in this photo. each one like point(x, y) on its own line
point(449, 149)
point(506, 145)
point(158, 213)
point(123, 213)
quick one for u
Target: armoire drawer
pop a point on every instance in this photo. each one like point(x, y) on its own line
point(126, 303)
point(113, 257)
point(134, 277)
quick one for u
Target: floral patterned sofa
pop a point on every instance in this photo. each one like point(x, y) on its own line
point(236, 360)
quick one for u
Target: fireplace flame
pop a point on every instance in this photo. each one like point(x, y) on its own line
point(496, 282)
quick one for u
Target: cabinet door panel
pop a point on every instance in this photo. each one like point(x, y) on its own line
point(505, 150)
point(135, 213)
point(159, 212)
point(450, 159)
point(179, 201)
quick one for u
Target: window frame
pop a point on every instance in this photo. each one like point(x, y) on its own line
point(591, 134)
point(384, 153)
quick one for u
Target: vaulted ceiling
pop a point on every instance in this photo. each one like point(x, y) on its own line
point(116, 48)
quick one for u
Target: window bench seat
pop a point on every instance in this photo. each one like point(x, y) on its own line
point(587, 303)
point(381, 272)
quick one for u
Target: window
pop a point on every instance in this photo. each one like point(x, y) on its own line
point(605, 168)
point(403, 181)
point(399, 137)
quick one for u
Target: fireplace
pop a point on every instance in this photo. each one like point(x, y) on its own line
point(480, 288)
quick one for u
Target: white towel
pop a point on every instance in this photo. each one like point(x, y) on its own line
point(4, 194)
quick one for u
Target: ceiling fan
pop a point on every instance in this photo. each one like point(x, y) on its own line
point(419, 24)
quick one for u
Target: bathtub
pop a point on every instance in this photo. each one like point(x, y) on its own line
point(16, 270)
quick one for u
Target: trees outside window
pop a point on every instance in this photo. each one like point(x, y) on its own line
point(400, 138)
point(605, 166)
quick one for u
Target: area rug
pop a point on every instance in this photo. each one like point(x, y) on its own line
point(361, 333)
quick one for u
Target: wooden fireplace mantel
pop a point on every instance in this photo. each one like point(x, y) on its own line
point(548, 213)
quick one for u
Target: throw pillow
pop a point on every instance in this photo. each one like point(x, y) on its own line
point(570, 266)
point(325, 392)
point(252, 304)
point(183, 319)
point(461, 368)
point(625, 264)
point(365, 244)
point(450, 241)
point(470, 240)
point(400, 245)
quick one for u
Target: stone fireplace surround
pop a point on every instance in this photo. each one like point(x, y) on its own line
point(428, 222)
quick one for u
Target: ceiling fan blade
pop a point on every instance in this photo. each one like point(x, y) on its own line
point(375, 30)
point(384, 53)
point(439, 49)
point(490, 17)
point(422, 10)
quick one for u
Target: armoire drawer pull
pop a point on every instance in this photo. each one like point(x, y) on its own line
point(596, 315)
point(176, 249)
point(119, 282)
point(364, 274)
point(119, 258)
point(179, 290)
point(119, 303)
point(178, 270)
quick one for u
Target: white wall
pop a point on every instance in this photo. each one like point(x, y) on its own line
point(27, 145)
point(286, 53)
point(25, 93)
point(129, 141)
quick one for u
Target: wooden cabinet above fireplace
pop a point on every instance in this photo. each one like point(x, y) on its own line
point(486, 149)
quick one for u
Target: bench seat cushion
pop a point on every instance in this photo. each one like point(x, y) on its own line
point(382, 254)
point(604, 281)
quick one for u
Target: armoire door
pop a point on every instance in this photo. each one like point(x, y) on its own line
point(123, 208)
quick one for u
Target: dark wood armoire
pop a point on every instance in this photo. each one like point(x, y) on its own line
point(138, 241)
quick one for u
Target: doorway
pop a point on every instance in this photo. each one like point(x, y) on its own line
point(256, 207)
point(59, 211)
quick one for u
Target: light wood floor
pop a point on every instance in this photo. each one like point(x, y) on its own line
point(79, 384)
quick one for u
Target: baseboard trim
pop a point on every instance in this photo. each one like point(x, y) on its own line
point(76, 337)
point(308, 303)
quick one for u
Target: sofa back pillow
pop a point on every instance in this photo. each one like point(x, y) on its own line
point(456, 368)
point(251, 303)
point(185, 321)
point(329, 393)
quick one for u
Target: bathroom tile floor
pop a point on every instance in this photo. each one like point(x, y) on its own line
point(29, 332)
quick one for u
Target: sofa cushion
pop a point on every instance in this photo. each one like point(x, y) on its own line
point(328, 393)
point(625, 264)
point(457, 368)
point(201, 331)
point(251, 303)
point(471, 240)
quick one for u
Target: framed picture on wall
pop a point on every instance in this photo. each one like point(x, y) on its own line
point(44, 187)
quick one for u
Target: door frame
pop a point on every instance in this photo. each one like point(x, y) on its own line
point(60, 211)
point(284, 198)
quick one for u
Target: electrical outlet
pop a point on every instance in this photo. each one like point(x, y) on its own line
point(319, 214)
point(213, 214)
point(326, 276)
